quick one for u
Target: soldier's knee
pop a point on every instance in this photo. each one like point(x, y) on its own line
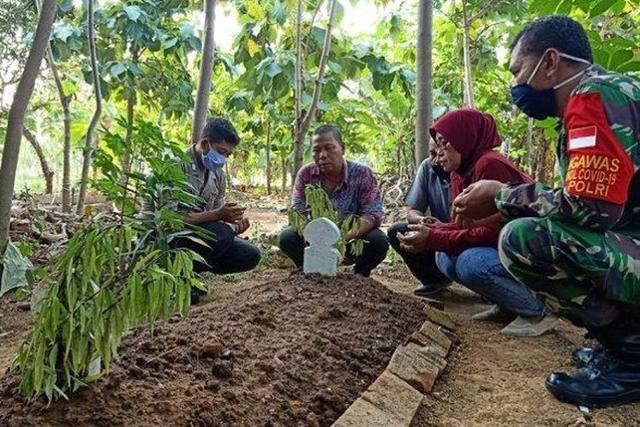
point(518, 238)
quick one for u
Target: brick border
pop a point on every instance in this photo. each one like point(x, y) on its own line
point(394, 398)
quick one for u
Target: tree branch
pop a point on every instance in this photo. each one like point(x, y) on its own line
point(326, 49)
point(88, 146)
point(487, 7)
point(46, 170)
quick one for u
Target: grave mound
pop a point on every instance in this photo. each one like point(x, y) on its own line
point(291, 352)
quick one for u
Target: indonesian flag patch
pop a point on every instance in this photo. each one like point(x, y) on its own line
point(582, 137)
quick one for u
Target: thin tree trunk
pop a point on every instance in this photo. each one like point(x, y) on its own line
point(298, 147)
point(283, 161)
point(542, 162)
point(206, 69)
point(268, 157)
point(88, 145)
point(125, 159)
point(46, 170)
point(317, 90)
point(66, 148)
point(424, 93)
point(466, 52)
point(529, 148)
point(15, 123)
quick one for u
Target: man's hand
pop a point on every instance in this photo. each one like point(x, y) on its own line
point(229, 212)
point(415, 240)
point(476, 201)
point(242, 226)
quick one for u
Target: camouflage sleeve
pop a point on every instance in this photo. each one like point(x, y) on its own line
point(538, 200)
point(598, 169)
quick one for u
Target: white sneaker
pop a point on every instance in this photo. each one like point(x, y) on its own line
point(528, 327)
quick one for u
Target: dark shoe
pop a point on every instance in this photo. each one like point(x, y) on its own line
point(584, 355)
point(427, 290)
point(604, 381)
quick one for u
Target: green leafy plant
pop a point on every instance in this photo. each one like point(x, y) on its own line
point(320, 207)
point(118, 272)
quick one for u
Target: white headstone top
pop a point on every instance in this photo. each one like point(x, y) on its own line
point(320, 256)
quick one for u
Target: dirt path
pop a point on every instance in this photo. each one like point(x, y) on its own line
point(494, 380)
point(14, 325)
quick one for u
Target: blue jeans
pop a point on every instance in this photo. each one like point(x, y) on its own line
point(480, 270)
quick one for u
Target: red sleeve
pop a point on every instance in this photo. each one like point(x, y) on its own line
point(453, 240)
point(599, 167)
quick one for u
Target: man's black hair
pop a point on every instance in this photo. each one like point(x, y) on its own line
point(219, 129)
point(332, 129)
point(555, 31)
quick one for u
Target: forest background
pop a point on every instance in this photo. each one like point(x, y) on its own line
point(149, 56)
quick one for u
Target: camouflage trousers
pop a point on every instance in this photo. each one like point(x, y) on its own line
point(589, 277)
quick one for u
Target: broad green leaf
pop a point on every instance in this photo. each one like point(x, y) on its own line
point(133, 12)
point(564, 7)
point(630, 66)
point(601, 56)
point(601, 7)
point(117, 69)
point(273, 69)
point(542, 7)
point(15, 268)
point(618, 58)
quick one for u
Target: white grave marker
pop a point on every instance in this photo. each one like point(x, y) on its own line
point(320, 256)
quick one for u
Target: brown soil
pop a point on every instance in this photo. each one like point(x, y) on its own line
point(287, 352)
point(494, 380)
point(15, 321)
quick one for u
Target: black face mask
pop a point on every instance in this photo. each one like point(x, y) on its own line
point(540, 104)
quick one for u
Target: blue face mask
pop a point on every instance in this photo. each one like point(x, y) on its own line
point(213, 160)
point(541, 104)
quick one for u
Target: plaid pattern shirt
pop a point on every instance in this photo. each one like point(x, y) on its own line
point(358, 193)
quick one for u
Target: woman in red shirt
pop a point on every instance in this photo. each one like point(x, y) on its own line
point(467, 253)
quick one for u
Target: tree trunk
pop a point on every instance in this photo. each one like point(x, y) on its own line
point(466, 52)
point(206, 69)
point(424, 93)
point(132, 99)
point(302, 125)
point(283, 161)
point(15, 122)
point(66, 148)
point(268, 157)
point(46, 170)
point(125, 160)
point(88, 144)
point(530, 157)
point(298, 143)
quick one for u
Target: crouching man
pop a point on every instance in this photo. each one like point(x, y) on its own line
point(352, 189)
point(226, 252)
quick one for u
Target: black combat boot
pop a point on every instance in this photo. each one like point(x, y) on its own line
point(583, 355)
point(611, 378)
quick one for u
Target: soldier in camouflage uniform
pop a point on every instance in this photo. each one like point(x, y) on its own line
point(577, 247)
